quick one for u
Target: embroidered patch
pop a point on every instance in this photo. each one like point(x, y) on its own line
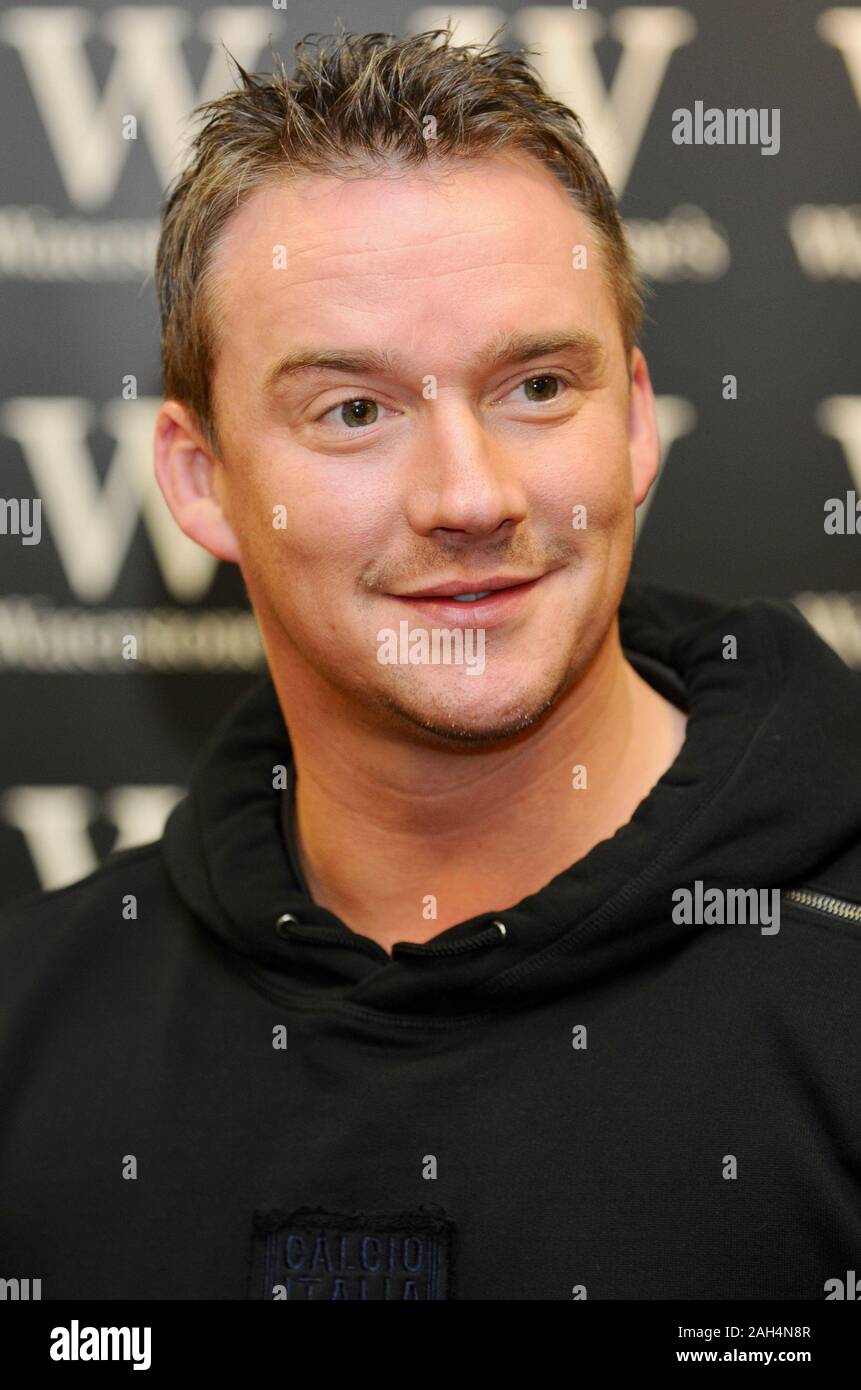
point(312, 1252)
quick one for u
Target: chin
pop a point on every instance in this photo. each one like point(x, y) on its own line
point(455, 720)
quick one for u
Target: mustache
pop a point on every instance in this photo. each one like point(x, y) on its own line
point(463, 560)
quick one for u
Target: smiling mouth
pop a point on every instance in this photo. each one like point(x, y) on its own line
point(455, 605)
point(456, 592)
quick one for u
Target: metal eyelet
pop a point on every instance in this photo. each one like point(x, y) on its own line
point(501, 925)
point(282, 921)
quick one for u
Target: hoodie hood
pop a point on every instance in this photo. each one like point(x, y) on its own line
point(764, 794)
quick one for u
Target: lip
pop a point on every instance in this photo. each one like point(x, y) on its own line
point(470, 586)
point(500, 605)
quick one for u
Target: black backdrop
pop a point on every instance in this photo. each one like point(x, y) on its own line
point(755, 259)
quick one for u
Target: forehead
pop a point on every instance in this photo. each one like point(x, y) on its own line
point(425, 257)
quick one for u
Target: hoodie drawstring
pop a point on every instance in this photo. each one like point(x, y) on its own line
point(493, 935)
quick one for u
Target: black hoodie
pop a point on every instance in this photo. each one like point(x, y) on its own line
point(210, 1087)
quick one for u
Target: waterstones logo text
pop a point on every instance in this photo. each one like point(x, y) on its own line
point(437, 646)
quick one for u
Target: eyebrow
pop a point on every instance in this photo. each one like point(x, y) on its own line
point(509, 348)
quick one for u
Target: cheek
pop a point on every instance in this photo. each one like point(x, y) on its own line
point(317, 522)
point(592, 470)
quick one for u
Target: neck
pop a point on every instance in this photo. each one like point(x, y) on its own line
point(401, 840)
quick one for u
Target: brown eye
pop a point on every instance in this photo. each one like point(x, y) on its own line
point(356, 412)
point(541, 380)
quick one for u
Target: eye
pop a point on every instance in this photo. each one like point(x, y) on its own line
point(362, 410)
point(539, 382)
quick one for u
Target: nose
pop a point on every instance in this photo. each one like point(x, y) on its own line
point(462, 482)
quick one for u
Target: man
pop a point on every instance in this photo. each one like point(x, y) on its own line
point(508, 943)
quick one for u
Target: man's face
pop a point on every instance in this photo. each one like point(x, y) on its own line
point(454, 464)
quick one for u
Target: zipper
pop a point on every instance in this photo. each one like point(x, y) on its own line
point(824, 902)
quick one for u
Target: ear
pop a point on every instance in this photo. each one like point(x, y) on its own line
point(643, 442)
point(186, 470)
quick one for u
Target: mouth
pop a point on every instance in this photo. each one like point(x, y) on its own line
point(479, 603)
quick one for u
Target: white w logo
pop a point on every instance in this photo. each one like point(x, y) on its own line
point(615, 121)
point(92, 524)
point(148, 79)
